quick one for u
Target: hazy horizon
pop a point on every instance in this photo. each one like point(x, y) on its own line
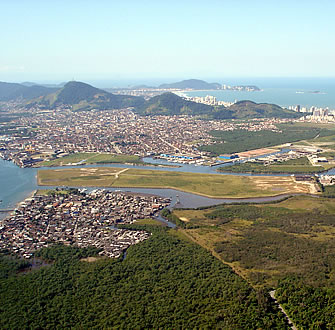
point(275, 82)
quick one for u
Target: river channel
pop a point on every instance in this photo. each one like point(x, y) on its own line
point(17, 183)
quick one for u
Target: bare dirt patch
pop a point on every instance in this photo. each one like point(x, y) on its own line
point(284, 184)
point(90, 259)
point(256, 152)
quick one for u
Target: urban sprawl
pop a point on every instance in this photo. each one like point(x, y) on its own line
point(53, 134)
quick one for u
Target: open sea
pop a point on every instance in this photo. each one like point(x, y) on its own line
point(287, 92)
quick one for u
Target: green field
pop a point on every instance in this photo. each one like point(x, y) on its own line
point(267, 242)
point(289, 246)
point(210, 185)
point(301, 165)
point(324, 141)
point(151, 222)
point(92, 158)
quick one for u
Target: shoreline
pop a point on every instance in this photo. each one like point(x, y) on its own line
point(4, 215)
point(30, 195)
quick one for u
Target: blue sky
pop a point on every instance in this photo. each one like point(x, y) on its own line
point(139, 40)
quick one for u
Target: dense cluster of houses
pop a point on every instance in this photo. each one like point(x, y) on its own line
point(50, 134)
point(78, 218)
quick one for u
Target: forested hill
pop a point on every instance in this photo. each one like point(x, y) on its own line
point(172, 104)
point(249, 109)
point(13, 91)
point(191, 84)
point(80, 96)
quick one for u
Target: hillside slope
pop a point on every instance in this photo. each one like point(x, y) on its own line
point(80, 96)
point(172, 104)
point(249, 109)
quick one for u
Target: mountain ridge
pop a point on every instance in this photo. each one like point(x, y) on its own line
point(15, 91)
point(172, 104)
point(249, 109)
point(81, 96)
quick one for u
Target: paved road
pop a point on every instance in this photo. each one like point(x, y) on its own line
point(290, 323)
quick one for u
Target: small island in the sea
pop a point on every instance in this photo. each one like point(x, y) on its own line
point(310, 92)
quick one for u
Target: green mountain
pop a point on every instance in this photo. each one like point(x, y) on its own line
point(191, 84)
point(13, 91)
point(249, 109)
point(171, 104)
point(81, 96)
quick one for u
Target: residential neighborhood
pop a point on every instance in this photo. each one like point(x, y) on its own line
point(78, 218)
point(52, 134)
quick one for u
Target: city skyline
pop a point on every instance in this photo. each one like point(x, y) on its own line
point(108, 40)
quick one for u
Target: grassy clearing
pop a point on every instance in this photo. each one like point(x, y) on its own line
point(92, 158)
point(325, 141)
point(275, 168)
point(191, 214)
point(300, 165)
point(311, 125)
point(78, 176)
point(149, 221)
point(268, 242)
point(210, 185)
point(303, 203)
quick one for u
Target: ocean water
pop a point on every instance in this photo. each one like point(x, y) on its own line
point(281, 91)
point(284, 97)
point(15, 184)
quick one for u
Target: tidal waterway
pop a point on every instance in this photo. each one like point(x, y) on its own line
point(17, 183)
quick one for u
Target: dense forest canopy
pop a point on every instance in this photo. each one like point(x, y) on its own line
point(164, 282)
point(243, 140)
